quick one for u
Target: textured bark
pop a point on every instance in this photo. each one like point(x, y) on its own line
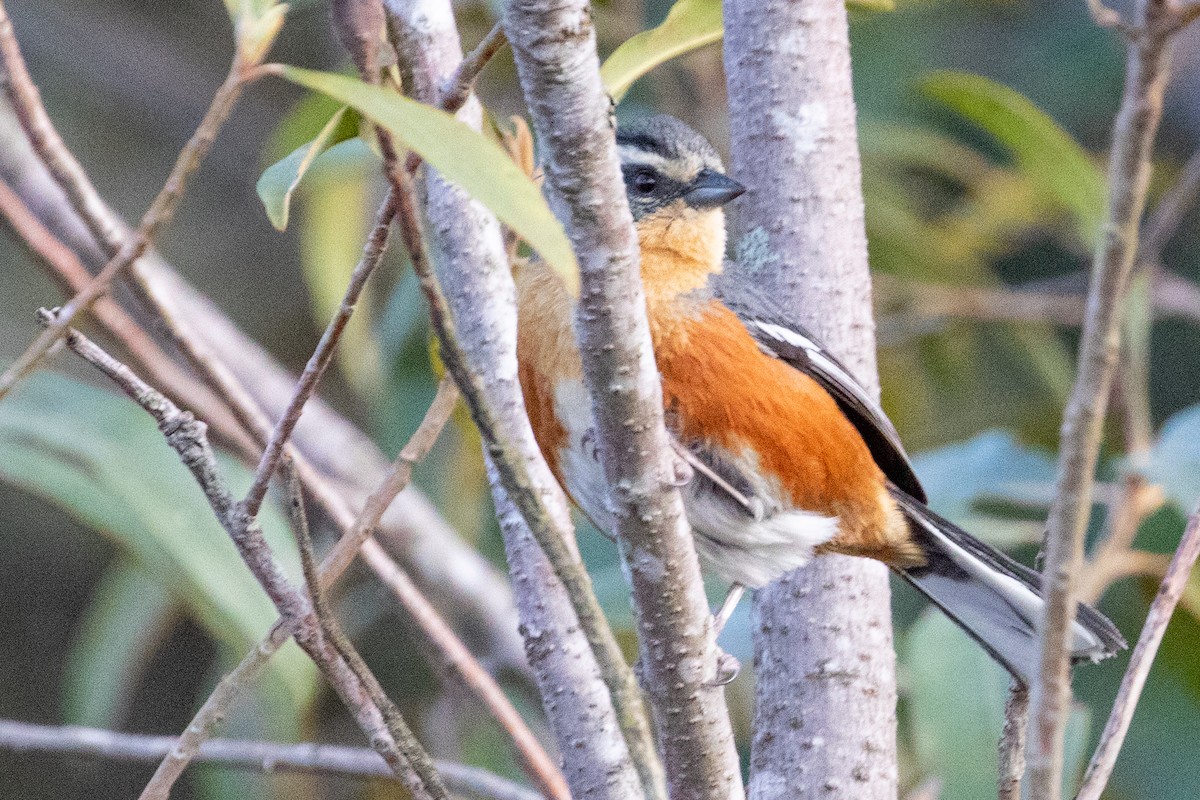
point(472, 267)
point(595, 759)
point(824, 720)
point(555, 50)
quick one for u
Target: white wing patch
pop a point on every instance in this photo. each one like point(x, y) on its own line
point(821, 360)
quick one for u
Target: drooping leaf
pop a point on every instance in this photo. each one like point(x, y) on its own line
point(463, 156)
point(689, 25)
point(128, 617)
point(101, 458)
point(1175, 458)
point(1041, 149)
point(956, 695)
point(279, 181)
point(971, 482)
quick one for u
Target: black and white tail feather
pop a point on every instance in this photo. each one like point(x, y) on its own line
point(993, 598)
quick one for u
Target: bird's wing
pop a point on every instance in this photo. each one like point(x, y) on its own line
point(798, 348)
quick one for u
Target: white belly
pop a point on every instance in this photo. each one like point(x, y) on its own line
point(745, 548)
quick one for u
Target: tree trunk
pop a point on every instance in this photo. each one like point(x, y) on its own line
point(825, 706)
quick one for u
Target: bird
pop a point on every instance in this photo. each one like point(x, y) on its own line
point(790, 456)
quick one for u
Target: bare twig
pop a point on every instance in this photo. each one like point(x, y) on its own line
point(1170, 295)
point(1012, 742)
point(1129, 173)
point(188, 438)
point(1105, 757)
point(267, 757)
point(24, 97)
point(372, 255)
point(457, 89)
point(406, 742)
point(1168, 214)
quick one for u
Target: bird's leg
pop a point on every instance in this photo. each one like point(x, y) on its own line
point(722, 615)
point(728, 666)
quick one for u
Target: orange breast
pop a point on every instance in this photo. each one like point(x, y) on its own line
point(719, 387)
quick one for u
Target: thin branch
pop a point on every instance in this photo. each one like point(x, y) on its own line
point(1168, 214)
point(457, 89)
point(188, 438)
point(24, 97)
point(1012, 742)
point(266, 757)
point(1171, 296)
point(1173, 584)
point(1113, 557)
point(372, 255)
point(401, 734)
point(1129, 174)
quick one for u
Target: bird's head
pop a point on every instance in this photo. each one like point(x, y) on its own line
point(676, 185)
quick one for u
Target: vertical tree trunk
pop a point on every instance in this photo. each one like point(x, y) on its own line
point(824, 720)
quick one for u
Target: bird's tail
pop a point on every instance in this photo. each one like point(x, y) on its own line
point(993, 598)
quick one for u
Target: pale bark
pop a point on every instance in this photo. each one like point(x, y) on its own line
point(825, 719)
point(472, 266)
point(555, 49)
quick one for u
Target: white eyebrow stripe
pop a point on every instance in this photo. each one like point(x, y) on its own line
point(635, 155)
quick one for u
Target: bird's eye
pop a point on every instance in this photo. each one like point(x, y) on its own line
point(644, 182)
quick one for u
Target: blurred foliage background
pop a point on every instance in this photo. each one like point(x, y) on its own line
point(983, 124)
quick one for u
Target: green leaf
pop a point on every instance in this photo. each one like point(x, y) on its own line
point(101, 458)
point(279, 181)
point(129, 616)
point(1042, 150)
point(970, 482)
point(690, 24)
point(956, 695)
point(463, 156)
point(1175, 458)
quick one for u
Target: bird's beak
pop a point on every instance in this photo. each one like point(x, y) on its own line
point(712, 189)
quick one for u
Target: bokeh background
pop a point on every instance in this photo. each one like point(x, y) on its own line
point(988, 182)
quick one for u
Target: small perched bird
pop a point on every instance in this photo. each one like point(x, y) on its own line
point(790, 455)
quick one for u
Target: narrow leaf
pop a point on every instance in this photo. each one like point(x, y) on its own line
point(689, 25)
point(279, 181)
point(100, 457)
point(128, 618)
point(1042, 150)
point(463, 156)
